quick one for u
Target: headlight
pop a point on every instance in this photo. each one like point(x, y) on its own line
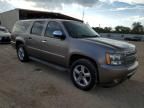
point(114, 59)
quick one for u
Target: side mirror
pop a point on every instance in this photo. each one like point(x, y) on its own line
point(58, 34)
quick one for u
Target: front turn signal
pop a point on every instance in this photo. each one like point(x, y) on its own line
point(108, 61)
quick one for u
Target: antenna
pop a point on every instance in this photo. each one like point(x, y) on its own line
point(83, 14)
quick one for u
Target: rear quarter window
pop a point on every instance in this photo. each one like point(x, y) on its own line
point(21, 27)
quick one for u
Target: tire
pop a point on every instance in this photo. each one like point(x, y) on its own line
point(83, 74)
point(22, 54)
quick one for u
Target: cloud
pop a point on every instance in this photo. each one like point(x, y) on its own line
point(129, 1)
point(135, 18)
point(136, 7)
point(128, 21)
point(113, 5)
point(58, 3)
point(104, 12)
point(120, 8)
point(5, 5)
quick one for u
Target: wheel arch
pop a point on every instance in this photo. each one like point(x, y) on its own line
point(18, 42)
point(75, 57)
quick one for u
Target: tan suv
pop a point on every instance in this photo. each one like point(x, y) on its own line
point(74, 46)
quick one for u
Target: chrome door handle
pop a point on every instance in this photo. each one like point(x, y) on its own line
point(44, 41)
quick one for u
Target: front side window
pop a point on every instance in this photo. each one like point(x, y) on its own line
point(51, 27)
point(79, 30)
point(37, 28)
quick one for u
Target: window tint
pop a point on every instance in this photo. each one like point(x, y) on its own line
point(79, 30)
point(51, 27)
point(21, 27)
point(37, 27)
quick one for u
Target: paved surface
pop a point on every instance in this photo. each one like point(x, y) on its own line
point(33, 85)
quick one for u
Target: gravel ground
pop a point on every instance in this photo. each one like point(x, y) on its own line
point(33, 85)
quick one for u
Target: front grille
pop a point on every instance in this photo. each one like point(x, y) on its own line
point(5, 39)
point(130, 58)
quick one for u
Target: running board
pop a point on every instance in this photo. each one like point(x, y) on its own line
point(57, 67)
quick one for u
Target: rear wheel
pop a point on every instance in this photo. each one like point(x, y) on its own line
point(22, 54)
point(83, 74)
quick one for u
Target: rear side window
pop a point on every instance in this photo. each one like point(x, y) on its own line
point(21, 27)
point(37, 28)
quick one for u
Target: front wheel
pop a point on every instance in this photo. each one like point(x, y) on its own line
point(22, 54)
point(83, 74)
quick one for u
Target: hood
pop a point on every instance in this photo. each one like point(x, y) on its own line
point(113, 43)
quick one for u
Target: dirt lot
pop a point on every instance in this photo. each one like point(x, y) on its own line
point(33, 85)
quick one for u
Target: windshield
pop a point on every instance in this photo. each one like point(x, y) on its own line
point(79, 30)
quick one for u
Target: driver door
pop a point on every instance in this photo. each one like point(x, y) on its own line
point(55, 49)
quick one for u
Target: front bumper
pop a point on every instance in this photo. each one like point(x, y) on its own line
point(108, 73)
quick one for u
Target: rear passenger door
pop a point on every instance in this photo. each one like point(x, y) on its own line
point(34, 39)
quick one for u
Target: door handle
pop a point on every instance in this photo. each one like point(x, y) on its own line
point(44, 41)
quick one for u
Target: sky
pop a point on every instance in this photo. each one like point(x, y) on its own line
point(103, 13)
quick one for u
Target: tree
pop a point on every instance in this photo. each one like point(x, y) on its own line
point(103, 30)
point(98, 29)
point(137, 27)
point(107, 29)
point(122, 29)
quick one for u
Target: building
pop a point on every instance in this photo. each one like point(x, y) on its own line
point(8, 18)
